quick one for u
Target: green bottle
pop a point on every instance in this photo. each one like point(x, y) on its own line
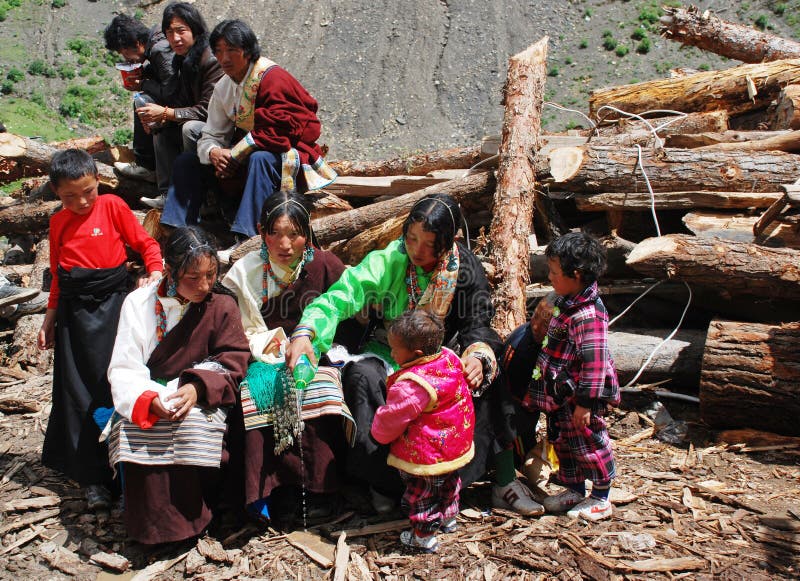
point(303, 372)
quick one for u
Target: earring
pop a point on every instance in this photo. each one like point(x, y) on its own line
point(264, 251)
point(172, 288)
point(402, 247)
point(308, 253)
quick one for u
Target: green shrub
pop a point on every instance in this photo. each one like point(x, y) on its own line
point(100, 72)
point(587, 13)
point(139, 14)
point(639, 34)
point(779, 8)
point(122, 137)
point(703, 67)
point(609, 43)
point(568, 60)
point(584, 44)
point(118, 91)
point(3, 13)
point(644, 46)
point(58, 3)
point(622, 50)
point(650, 14)
point(6, 87)
point(82, 60)
point(66, 71)
point(761, 22)
point(571, 125)
point(92, 81)
point(80, 103)
point(608, 34)
point(15, 75)
point(553, 72)
point(41, 69)
point(663, 67)
point(84, 72)
point(80, 46)
point(38, 98)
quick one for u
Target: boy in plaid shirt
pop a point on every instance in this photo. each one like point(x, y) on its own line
point(574, 379)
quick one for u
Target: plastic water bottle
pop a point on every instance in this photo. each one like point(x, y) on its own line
point(140, 100)
point(303, 372)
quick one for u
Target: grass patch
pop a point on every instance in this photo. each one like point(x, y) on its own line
point(644, 46)
point(12, 187)
point(122, 137)
point(584, 44)
point(24, 117)
point(39, 68)
point(621, 51)
point(639, 34)
point(762, 22)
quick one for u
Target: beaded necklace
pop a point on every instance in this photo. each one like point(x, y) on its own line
point(308, 256)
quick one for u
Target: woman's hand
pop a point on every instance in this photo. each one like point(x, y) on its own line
point(298, 347)
point(157, 408)
point(47, 334)
point(154, 276)
point(182, 401)
point(224, 165)
point(473, 371)
point(581, 417)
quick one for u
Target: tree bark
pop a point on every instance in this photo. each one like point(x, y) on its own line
point(36, 156)
point(26, 218)
point(787, 110)
point(789, 142)
point(727, 90)
point(414, 165)
point(595, 169)
point(354, 250)
point(739, 227)
point(749, 376)
point(514, 199)
point(711, 121)
point(678, 360)
point(693, 141)
point(373, 187)
point(734, 41)
point(40, 265)
point(734, 268)
point(24, 352)
point(640, 201)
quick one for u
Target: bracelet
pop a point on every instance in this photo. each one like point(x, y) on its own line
point(303, 331)
point(164, 115)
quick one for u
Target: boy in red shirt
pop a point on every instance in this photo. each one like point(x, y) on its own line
point(90, 281)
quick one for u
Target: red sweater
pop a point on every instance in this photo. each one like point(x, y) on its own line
point(97, 240)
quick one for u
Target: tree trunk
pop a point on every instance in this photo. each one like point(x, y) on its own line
point(750, 377)
point(373, 187)
point(734, 41)
point(40, 265)
point(735, 268)
point(36, 156)
point(595, 169)
point(678, 360)
point(789, 142)
point(640, 201)
point(24, 352)
point(787, 110)
point(354, 250)
point(693, 141)
point(711, 121)
point(739, 227)
point(414, 165)
point(730, 90)
point(514, 198)
point(24, 218)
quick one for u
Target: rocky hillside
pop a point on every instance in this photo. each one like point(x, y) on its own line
point(391, 78)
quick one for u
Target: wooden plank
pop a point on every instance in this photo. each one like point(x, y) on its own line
point(372, 187)
point(641, 201)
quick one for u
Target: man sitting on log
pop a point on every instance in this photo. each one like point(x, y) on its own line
point(260, 137)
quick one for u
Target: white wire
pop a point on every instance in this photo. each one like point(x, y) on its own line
point(649, 189)
point(581, 113)
point(641, 296)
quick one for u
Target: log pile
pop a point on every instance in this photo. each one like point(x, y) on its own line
point(707, 175)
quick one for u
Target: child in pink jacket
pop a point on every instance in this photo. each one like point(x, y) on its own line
point(429, 420)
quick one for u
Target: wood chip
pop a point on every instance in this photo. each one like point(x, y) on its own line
point(157, 568)
point(23, 539)
point(113, 561)
point(342, 558)
point(28, 520)
point(212, 549)
point(28, 503)
point(318, 549)
point(664, 565)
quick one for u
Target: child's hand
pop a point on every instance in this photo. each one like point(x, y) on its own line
point(47, 334)
point(473, 371)
point(581, 417)
point(157, 408)
point(154, 276)
point(182, 401)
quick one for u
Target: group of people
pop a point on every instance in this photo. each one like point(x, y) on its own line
point(214, 115)
point(184, 394)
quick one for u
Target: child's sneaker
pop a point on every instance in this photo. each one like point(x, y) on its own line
point(381, 503)
point(592, 509)
point(563, 501)
point(427, 544)
point(449, 525)
point(97, 497)
point(516, 496)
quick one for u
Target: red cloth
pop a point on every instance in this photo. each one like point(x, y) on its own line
point(97, 240)
point(286, 116)
point(142, 416)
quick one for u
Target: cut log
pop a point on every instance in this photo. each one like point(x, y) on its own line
point(730, 90)
point(710, 121)
point(736, 268)
point(739, 227)
point(789, 141)
point(640, 201)
point(355, 249)
point(414, 165)
point(787, 109)
point(92, 145)
point(692, 141)
point(735, 41)
point(750, 376)
point(36, 155)
point(598, 169)
point(372, 187)
point(325, 204)
point(24, 352)
point(514, 199)
point(678, 360)
point(617, 250)
point(27, 218)
point(41, 264)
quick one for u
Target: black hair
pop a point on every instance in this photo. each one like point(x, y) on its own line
point(236, 33)
point(189, 14)
point(125, 32)
point(577, 251)
point(71, 164)
point(185, 246)
point(438, 213)
point(291, 205)
point(419, 329)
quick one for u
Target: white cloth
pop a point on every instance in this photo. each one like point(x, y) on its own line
point(245, 279)
point(221, 121)
point(136, 339)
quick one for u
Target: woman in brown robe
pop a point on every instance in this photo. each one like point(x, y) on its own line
point(178, 359)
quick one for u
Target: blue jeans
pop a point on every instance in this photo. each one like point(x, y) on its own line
point(191, 181)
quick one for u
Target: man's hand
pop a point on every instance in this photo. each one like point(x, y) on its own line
point(473, 371)
point(150, 113)
point(224, 164)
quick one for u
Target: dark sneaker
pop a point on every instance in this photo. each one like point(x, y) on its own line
point(135, 171)
point(36, 305)
point(97, 497)
point(449, 525)
point(11, 294)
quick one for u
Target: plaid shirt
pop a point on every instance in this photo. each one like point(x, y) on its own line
point(576, 342)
